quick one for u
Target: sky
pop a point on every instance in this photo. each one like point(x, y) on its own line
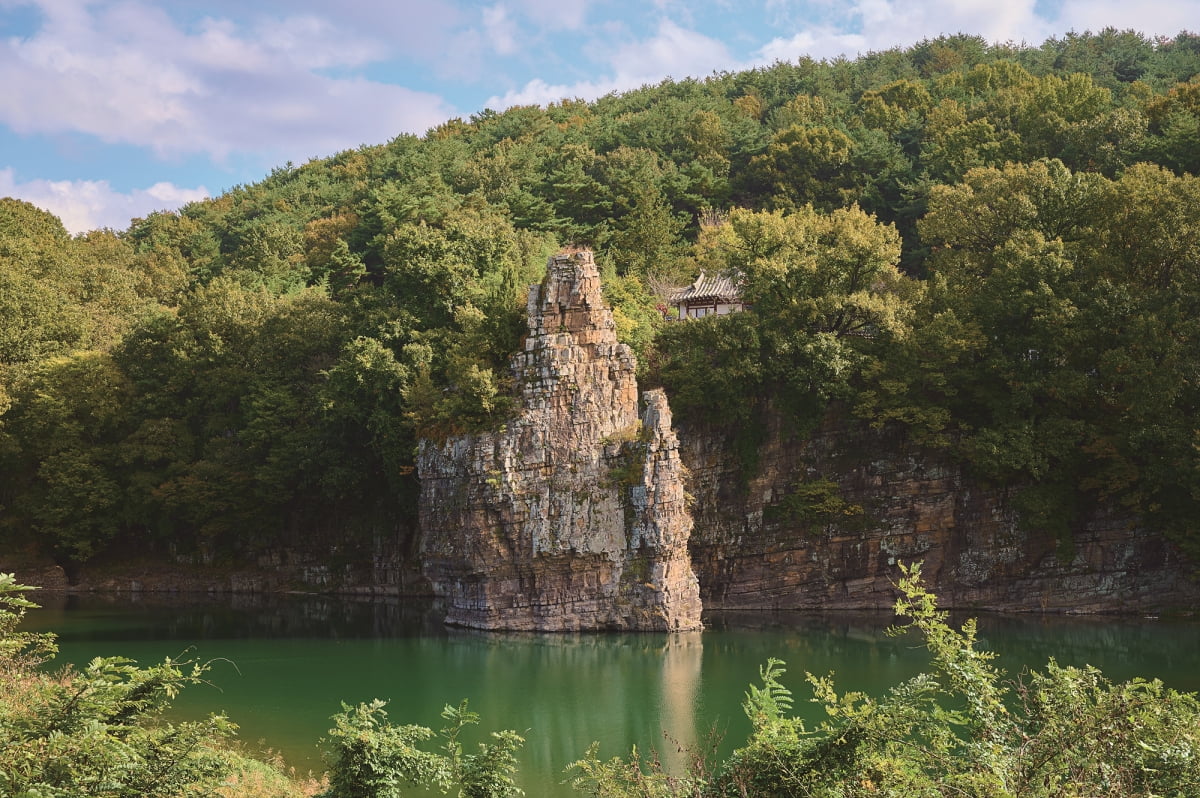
point(111, 109)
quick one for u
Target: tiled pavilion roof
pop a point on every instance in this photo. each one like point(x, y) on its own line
point(720, 289)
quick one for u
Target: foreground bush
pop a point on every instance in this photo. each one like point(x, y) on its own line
point(100, 731)
point(370, 758)
point(88, 732)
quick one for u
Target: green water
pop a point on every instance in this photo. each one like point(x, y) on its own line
point(282, 665)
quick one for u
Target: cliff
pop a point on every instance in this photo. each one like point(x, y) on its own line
point(762, 543)
point(573, 515)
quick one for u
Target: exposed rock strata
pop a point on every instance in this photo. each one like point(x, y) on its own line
point(573, 515)
point(978, 553)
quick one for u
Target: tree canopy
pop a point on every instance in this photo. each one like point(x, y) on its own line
point(992, 247)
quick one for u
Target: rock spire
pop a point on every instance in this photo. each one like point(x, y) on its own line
point(573, 515)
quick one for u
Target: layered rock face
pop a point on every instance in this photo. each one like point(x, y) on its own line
point(573, 515)
point(751, 551)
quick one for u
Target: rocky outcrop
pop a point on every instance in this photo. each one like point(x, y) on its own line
point(572, 515)
point(757, 546)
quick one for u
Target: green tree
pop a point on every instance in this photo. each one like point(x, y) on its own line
point(807, 165)
point(825, 288)
point(36, 321)
point(646, 241)
point(712, 368)
point(1174, 120)
point(954, 143)
point(69, 422)
point(1069, 291)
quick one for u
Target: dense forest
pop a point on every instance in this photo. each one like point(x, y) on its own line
point(995, 248)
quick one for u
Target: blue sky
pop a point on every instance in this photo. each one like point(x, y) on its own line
point(113, 108)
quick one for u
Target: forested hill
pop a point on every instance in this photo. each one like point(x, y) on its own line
point(994, 247)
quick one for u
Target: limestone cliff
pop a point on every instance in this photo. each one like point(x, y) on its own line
point(572, 515)
point(752, 551)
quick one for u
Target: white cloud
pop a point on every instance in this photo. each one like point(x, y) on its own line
point(1149, 16)
point(672, 52)
point(129, 74)
point(309, 42)
point(815, 43)
point(84, 205)
point(419, 29)
point(500, 30)
point(539, 92)
point(872, 25)
point(555, 14)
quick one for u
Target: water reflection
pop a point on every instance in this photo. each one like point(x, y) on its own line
point(682, 663)
point(257, 616)
point(568, 691)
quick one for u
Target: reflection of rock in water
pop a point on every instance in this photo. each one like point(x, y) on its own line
point(681, 666)
point(615, 689)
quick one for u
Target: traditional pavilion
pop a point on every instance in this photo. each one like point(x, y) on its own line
point(709, 296)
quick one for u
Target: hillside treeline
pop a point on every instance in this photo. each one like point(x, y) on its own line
point(993, 247)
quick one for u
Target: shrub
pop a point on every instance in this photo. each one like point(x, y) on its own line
point(959, 730)
point(100, 731)
point(370, 758)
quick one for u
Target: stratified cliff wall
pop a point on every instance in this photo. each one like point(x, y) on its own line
point(752, 549)
point(573, 514)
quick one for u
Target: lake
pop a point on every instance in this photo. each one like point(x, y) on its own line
point(281, 665)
